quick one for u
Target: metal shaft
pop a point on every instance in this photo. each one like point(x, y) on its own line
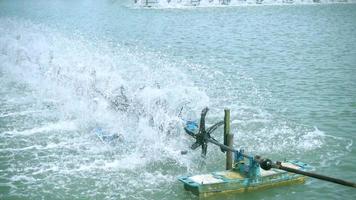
point(278, 165)
point(317, 176)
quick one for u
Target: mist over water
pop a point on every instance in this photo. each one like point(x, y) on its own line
point(59, 77)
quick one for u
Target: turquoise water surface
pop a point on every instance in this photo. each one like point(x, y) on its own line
point(287, 72)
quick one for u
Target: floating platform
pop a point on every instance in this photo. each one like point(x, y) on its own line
point(235, 181)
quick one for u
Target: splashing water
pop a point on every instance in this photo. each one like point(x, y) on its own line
point(81, 90)
point(56, 88)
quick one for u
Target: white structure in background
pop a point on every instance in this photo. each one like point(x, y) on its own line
point(211, 3)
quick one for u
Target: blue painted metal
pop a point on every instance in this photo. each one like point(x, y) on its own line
point(191, 127)
point(248, 166)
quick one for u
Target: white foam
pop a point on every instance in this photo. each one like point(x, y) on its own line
point(23, 178)
point(59, 126)
point(20, 113)
point(311, 140)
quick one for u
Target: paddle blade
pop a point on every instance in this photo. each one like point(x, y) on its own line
point(195, 145)
point(189, 132)
point(214, 127)
point(204, 148)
